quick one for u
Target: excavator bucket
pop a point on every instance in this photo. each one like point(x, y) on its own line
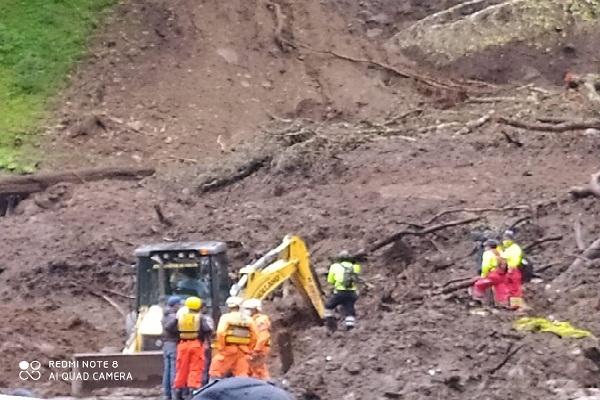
point(115, 370)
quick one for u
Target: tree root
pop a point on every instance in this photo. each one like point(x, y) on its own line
point(509, 353)
point(244, 171)
point(538, 242)
point(283, 44)
point(591, 189)
point(476, 210)
point(399, 235)
point(161, 217)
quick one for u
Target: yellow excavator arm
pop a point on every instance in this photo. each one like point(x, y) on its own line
point(290, 260)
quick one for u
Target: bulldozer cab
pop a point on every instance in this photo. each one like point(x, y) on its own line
point(184, 269)
point(163, 269)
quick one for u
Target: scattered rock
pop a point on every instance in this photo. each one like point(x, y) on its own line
point(592, 132)
point(380, 18)
point(353, 368)
point(332, 366)
point(228, 55)
point(373, 33)
point(135, 125)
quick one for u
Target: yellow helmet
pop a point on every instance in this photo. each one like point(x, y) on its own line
point(193, 303)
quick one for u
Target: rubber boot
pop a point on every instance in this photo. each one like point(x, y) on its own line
point(177, 394)
point(190, 393)
point(349, 321)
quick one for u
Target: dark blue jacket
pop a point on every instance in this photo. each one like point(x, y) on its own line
point(241, 389)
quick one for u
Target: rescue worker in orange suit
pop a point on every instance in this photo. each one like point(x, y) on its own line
point(236, 338)
point(343, 275)
point(513, 254)
point(258, 359)
point(493, 275)
point(190, 350)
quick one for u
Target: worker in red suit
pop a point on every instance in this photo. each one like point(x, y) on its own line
point(513, 254)
point(493, 276)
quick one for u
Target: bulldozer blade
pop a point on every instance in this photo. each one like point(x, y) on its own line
point(115, 370)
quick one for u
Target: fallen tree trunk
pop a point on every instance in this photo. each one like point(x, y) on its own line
point(28, 184)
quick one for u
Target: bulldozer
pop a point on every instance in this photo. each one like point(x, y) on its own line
point(190, 269)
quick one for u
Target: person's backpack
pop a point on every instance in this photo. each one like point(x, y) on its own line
point(350, 276)
point(526, 268)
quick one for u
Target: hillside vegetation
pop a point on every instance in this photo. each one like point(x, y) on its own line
point(39, 42)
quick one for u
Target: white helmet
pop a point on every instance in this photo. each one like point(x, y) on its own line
point(252, 303)
point(234, 302)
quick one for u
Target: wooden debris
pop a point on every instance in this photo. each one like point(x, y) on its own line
point(161, 217)
point(28, 184)
point(476, 210)
point(591, 253)
point(244, 171)
point(109, 301)
point(123, 295)
point(561, 127)
point(283, 44)
point(398, 235)
point(509, 353)
point(538, 242)
point(591, 189)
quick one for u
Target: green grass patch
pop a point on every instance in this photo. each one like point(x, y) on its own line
point(40, 40)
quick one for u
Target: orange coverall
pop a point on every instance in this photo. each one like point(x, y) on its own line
point(236, 338)
point(258, 360)
point(190, 353)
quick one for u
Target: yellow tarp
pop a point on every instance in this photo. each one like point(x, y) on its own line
point(561, 329)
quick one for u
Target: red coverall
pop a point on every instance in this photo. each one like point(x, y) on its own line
point(496, 279)
point(514, 257)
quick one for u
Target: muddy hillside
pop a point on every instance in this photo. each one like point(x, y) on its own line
point(263, 119)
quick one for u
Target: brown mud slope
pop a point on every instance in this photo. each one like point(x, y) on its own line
point(177, 75)
point(350, 185)
point(57, 254)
